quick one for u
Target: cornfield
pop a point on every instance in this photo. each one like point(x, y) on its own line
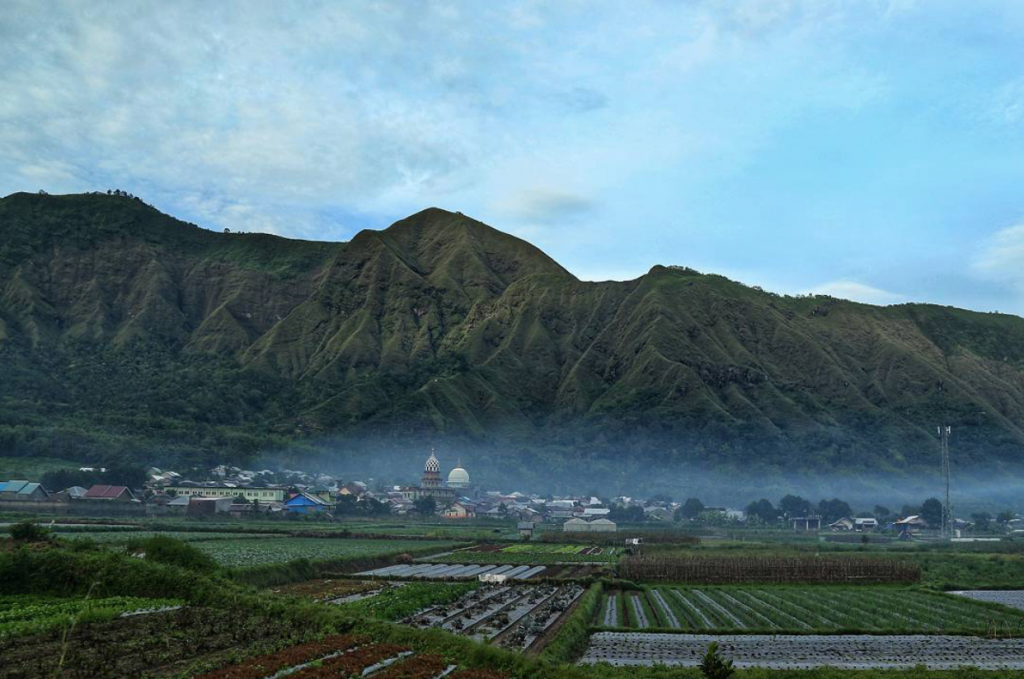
point(769, 570)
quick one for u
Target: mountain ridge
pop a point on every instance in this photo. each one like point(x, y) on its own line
point(441, 326)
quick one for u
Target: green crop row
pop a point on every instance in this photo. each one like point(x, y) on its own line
point(395, 603)
point(240, 553)
point(23, 615)
point(811, 609)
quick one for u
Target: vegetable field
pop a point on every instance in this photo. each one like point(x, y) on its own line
point(394, 603)
point(23, 615)
point(122, 536)
point(802, 610)
point(241, 553)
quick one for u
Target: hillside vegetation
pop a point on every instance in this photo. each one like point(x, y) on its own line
point(125, 332)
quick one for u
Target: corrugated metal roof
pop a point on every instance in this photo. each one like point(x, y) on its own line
point(14, 486)
point(105, 492)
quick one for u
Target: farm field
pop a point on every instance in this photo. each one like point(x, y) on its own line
point(794, 652)
point(237, 553)
point(802, 610)
point(447, 571)
point(1013, 598)
point(122, 536)
point(401, 601)
point(326, 589)
point(23, 615)
point(534, 554)
point(508, 616)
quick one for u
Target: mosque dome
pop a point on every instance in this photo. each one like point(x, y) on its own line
point(458, 477)
point(432, 466)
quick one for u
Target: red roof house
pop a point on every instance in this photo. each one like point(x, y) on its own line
point(113, 493)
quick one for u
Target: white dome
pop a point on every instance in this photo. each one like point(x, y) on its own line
point(458, 478)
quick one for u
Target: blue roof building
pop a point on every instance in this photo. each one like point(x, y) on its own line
point(22, 491)
point(306, 503)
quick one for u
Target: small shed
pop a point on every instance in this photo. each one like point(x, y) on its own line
point(525, 529)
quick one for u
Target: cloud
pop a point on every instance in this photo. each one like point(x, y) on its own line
point(547, 207)
point(857, 292)
point(1001, 257)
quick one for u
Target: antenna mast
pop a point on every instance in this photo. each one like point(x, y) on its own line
point(947, 510)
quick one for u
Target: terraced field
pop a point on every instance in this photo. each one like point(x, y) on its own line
point(804, 610)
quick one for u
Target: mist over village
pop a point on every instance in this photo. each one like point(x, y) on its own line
point(455, 340)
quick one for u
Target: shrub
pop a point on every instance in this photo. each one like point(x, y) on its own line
point(162, 549)
point(713, 666)
point(27, 531)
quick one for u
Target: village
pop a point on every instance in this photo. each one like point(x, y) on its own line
point(235, 493)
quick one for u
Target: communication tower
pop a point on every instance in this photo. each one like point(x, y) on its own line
point(947, 510)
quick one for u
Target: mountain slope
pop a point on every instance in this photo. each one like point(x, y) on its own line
point(124, 331)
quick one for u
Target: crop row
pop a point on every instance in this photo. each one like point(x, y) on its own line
point(345, 656)
point(559, 549)
point(20, 616)
point(804, 610)
point(395, 603)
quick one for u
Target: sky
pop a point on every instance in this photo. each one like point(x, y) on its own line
point(868, 149)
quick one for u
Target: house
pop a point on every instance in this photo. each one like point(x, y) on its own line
point(109, 494)
point(596, 511)
point(865, 523)
point(843, 524)
point(525, 529)
point(460, 510)
point(208, 506)
point(70, 494)
point(23, 491)
point(322, 493)
point(260, 494)
point(178, 504)
point(907, 527)
point(306, 503)
point(356, 488)
point(658, 513)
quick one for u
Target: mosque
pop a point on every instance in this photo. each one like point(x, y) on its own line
point(431, 484)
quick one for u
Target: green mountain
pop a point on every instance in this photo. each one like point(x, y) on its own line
point(127, 333)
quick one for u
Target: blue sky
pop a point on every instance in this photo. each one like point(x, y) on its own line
point(869, 149)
